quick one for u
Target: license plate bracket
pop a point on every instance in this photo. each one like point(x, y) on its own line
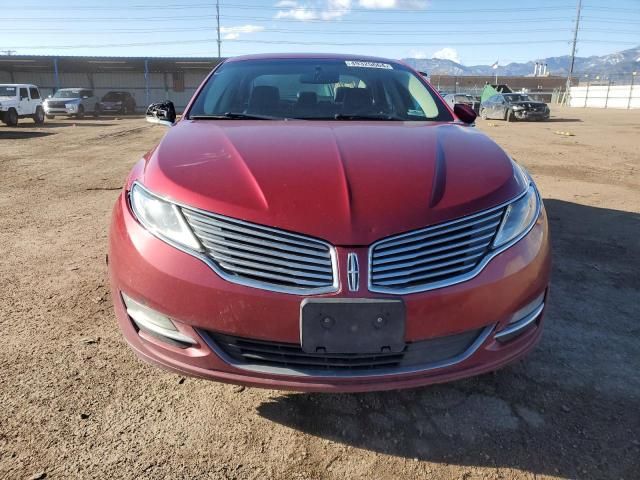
point(352, 325)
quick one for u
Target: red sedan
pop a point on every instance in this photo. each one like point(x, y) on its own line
point(327, 223)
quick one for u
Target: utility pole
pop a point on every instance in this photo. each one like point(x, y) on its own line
point(8, 52)
point(573, 50)
point(218, 22)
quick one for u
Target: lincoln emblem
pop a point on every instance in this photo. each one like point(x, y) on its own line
point(353, 272)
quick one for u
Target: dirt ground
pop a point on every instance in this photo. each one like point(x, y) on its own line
point(76, 403)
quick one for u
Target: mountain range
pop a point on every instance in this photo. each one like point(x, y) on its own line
point(618, 63)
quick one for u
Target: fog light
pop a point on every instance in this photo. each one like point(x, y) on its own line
point(522, 319)
point(155, 323)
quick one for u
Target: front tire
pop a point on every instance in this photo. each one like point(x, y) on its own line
point(508, 116)
point(38, 117)
point(80, 113)
point(96, 111)
point(11, 117)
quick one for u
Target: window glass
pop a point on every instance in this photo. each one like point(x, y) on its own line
point(325, 89)
point(24, 93)
point(35, 94)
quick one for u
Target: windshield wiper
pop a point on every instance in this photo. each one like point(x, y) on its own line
point(234, 116)
point(381, 116)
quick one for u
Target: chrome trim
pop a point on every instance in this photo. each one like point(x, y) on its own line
point(353, 272)
point(469, 275)
point(520, 324)
point(204, 257)
point(477, 343)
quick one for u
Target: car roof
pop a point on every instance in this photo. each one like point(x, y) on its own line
point(319, 56)
point(29, 85)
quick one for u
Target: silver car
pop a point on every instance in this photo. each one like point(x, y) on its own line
point(72, 102)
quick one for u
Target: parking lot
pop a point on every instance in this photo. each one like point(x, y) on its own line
point(77, 403)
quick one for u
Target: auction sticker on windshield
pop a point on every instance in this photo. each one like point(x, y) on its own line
point(362, 64)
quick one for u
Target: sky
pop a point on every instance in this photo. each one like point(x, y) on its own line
point(471, 32)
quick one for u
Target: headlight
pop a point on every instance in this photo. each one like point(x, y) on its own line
point(518, 107)
point(71, 106)
point(519, 217)
point(161, 218)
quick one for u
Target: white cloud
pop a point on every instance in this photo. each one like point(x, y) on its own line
point(419, 54)
point(232, 33)
point(447, 54)
point(391, 4)
point(326, 10)
point(298, 13)
point(306, 10)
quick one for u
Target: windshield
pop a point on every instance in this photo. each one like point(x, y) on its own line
point(7, 91)
point(516, 98)
point(67, 94)
point(113, 97)
point(318, 89)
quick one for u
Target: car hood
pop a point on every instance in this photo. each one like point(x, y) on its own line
point(528, 104)
point(349, 183)
point(61, 99)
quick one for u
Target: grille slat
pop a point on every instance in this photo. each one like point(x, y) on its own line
point(223, 236)
point(394, 265)
point(206, 224)
point(272, 268)
point(427, 268)
point(434, 256)
point(290, 359)
point(264, 257)
point(482, 240)
point(444, 239)
point(440, 230)
point(237, 256)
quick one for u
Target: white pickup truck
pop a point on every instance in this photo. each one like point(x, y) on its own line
point(20, 100)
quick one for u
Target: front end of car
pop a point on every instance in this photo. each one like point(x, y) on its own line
point(531, 111)
point(62, 106)
point(217, 297)
point(111, 106)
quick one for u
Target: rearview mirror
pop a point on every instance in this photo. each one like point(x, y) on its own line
point(163, 113)
point(464, 113)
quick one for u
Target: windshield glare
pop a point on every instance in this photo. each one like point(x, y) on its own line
point(7, 91)
point(517, 98)
point(67, 94)
point(318, 89)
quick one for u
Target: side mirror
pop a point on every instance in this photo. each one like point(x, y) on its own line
point(163, 113)
point(465, 113)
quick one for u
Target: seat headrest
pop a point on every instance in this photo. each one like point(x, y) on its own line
point(357, 99)
point(307, 99)
point(264, 98)
point(340, 93)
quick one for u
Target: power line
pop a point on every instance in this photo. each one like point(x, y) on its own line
point(395, 32)
point(290, 42)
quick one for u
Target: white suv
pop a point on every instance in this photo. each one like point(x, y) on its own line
point(72, 102)
point(20, 100)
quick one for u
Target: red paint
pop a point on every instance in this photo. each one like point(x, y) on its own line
point(349, 183)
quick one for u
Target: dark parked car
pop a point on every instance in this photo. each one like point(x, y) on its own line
point(513, 106)
point(118, 102)
point(454, 98)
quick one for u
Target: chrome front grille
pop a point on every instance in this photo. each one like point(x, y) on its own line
point(264, 257)
point(433, 257)
point(290, 359)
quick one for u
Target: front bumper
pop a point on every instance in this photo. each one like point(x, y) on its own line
point(60, 110)
point(531, 115)
point(188, 291)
